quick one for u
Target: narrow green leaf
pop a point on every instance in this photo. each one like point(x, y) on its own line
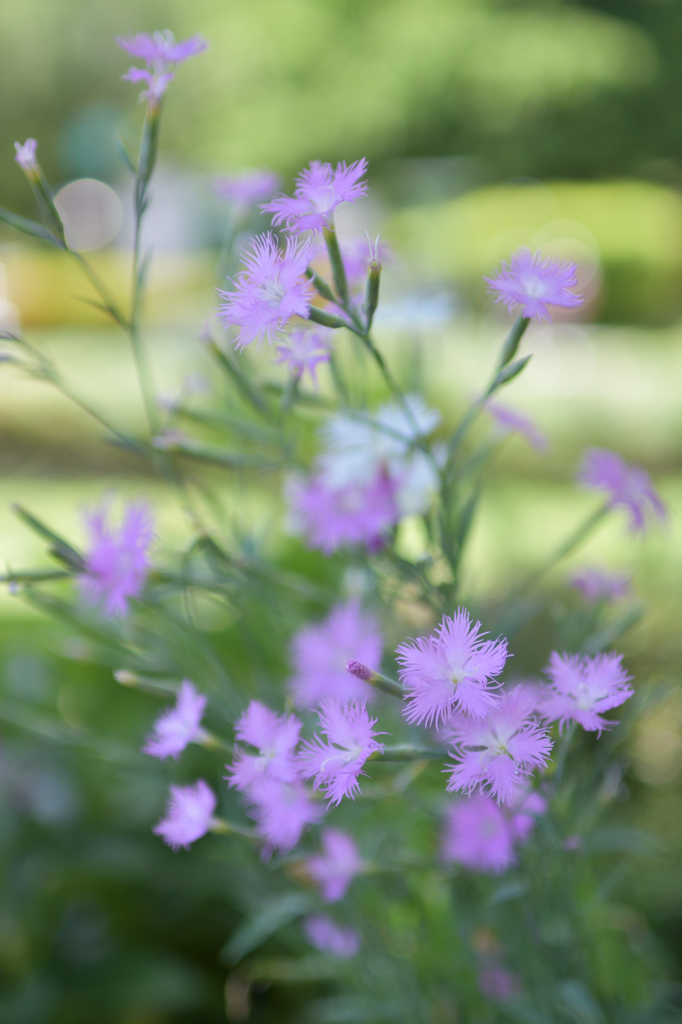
point(509, 372)
point(607, 636)
point(124, 155)
point(29, 227)
point(272, 915)
point(60, 548)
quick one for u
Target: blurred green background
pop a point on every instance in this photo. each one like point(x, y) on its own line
point(487, 125)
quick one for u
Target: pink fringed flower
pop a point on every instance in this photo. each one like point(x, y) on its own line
point(336, 763)
point(599, 585)
point(533, 284)
point(117, 560)
point(508, 419)
point(303, 351)
point(328, 937)
point(481, 835)
point(271, 290)
point(355, 514)
point(499, 752)
point(275, 738)
point(281, 811)
point(161, 53)
point(189, 814)
point(178, 726)
point(246, 189)
point(581, 688)
point(320, 653)
point(319, 190)
point(451, 670)
point(161, 47)
point(26, 155)
point(477, 835)
point(334, 869)
point(625, 486)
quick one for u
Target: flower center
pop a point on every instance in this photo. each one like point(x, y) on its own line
point(271, 292)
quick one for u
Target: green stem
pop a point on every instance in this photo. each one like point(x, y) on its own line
point(222, 827)
point(406, 752)
point(575, 539)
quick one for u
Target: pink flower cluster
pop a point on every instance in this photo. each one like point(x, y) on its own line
point(270, 775)
point(498, 736)
point(161, 53)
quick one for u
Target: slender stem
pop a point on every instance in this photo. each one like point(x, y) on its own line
point(223, 827)
point(101, 289)
point(574, 540)
point(508, 352)
point(406, 752)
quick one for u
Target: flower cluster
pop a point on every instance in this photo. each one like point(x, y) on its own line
point(161, 53)
point(373, 470)
point(271, 778)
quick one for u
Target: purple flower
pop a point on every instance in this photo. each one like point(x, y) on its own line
point(333, 517)
point(477, 835)
point(320, 653)
point(270, 291)
point(189, 814)
point(247, 188)
point(275, 738)
point(302, 351)
point(319, 190)
point(626, 486)
point(534, 284)
point(156, 84)
point(160, 48)
point(26, 155)
point(481, 835)
point(525, 810)
point(599, 585)
point(178, 726)
point(281, 811)
point(581, 688)
point(499, 752)
point(451, 670)
point(509, 419)
point(498, 983)
point(328, 937)
point(334, 869)
point(160, 52)
point(337, 763)
point(117, 560)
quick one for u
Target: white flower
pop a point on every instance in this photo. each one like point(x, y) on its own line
point(358, 449)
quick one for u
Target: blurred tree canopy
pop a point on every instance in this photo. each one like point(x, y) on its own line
point(536, 88)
